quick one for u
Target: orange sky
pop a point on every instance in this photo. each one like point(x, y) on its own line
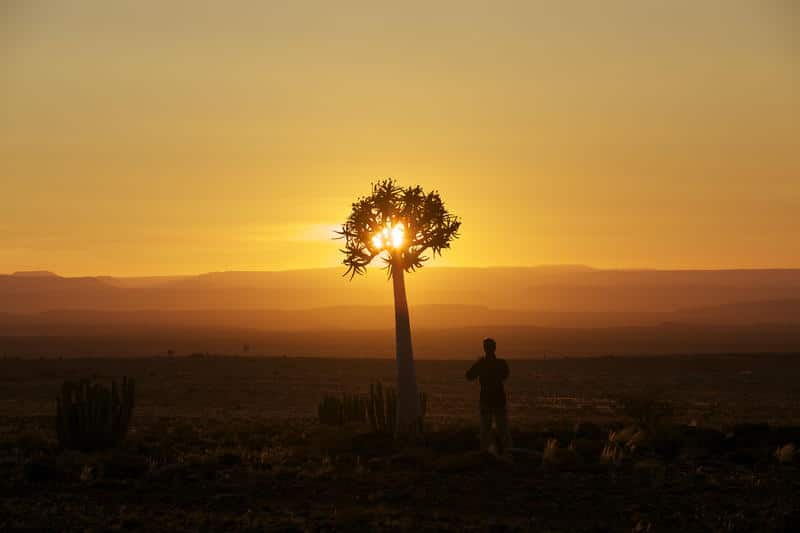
point(159, 138)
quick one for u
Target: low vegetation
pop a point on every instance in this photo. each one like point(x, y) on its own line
point(91, 416)
point(379, 408)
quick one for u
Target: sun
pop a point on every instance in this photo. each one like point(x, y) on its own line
point(390, 237)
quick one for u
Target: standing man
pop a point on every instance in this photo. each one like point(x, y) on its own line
point(492, 372)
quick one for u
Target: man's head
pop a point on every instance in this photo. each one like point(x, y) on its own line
point(489, 346)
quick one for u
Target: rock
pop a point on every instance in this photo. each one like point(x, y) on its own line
point(640, 439)
point(785, 453)
point(623, 435)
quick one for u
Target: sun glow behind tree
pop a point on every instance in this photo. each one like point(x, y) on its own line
point(392, 236)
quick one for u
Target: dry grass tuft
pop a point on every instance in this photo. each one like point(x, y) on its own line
point(555, 455)
point(612, 454)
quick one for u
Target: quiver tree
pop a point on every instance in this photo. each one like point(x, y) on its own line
point(404, 227)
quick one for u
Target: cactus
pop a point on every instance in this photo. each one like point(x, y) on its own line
point(337, 411)
point(329, 411)
point(353, 408)
point(391, 410)
point(90, 416)
point(423, 409)
point(382, 408)
point(372, 415)
point(379, 409)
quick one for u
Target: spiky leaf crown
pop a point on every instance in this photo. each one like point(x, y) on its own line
point(428, 227)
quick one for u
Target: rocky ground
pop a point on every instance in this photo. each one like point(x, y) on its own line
point(232, 444)
point(280, 476)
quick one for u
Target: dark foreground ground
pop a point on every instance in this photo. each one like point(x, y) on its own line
point(233, 444)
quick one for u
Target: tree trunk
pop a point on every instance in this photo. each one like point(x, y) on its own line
point(407, 395)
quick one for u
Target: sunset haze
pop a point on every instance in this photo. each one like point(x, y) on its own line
point(145, 138)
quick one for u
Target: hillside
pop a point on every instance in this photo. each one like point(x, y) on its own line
point(541, 289)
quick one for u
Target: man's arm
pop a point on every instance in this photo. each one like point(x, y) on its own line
point(475, 370)
point(504, 373)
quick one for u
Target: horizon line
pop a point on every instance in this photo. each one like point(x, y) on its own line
point(577, 266)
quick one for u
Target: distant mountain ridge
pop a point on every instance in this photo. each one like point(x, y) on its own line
point(559, 289)
point(532, 311)
point(35, 274)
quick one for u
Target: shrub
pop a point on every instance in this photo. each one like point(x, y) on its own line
point(91, 416)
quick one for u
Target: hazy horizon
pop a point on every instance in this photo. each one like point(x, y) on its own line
point(377, 270)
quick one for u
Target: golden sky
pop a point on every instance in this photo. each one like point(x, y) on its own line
point(166, 137)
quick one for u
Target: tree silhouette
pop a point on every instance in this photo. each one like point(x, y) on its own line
point(398, 225)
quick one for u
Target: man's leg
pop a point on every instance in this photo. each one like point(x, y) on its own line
point(486, 428)
point(501, 418)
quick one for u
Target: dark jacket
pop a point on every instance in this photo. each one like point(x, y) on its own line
point(491, 372)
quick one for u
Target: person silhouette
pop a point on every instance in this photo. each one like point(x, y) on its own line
point(492, 372)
